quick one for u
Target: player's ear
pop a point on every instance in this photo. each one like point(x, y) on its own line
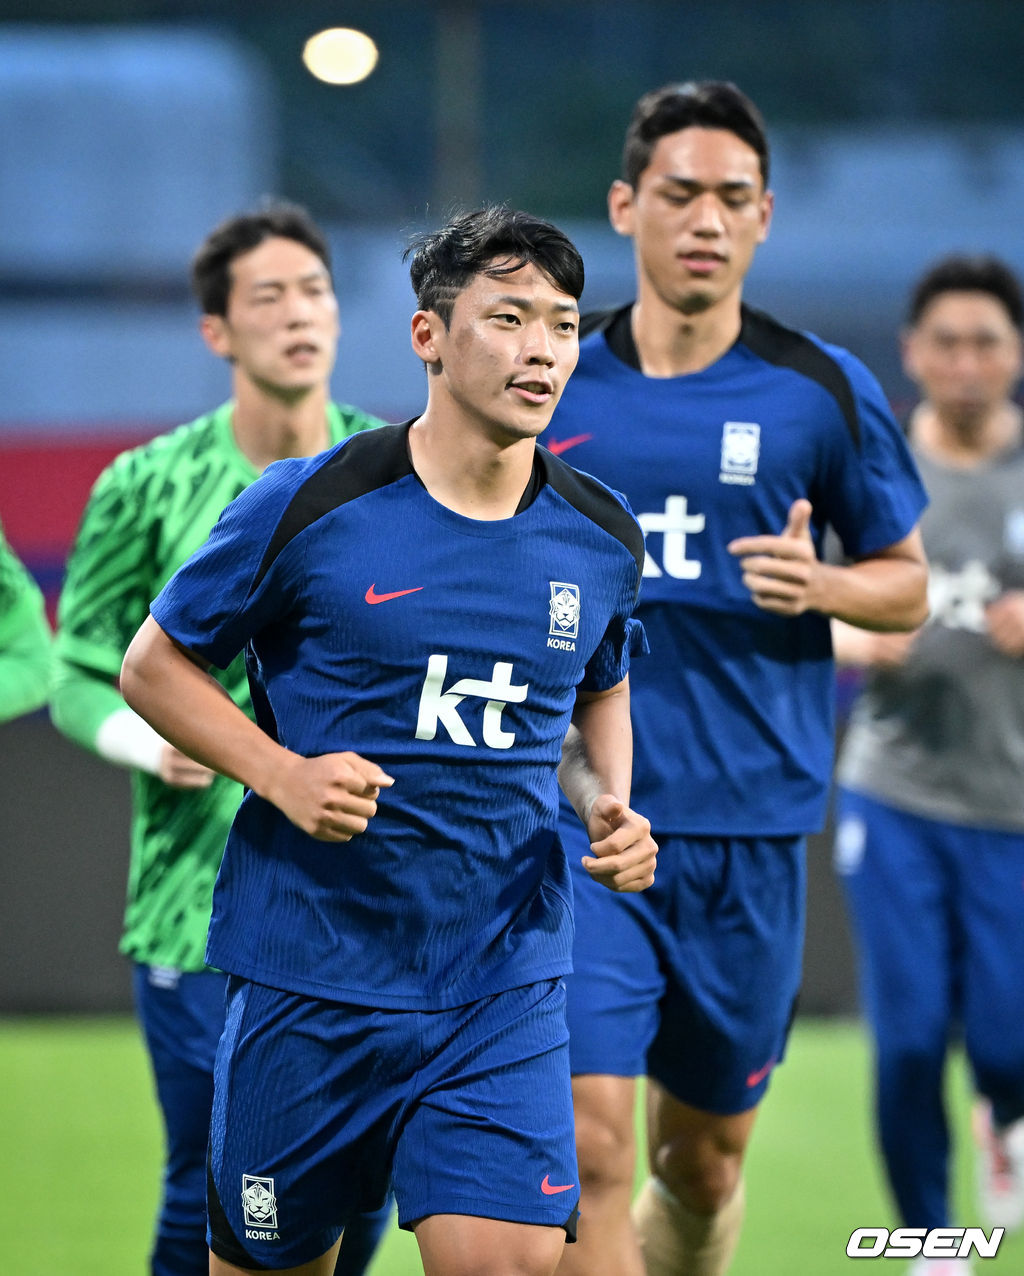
point(908, 353)
point(214, 331)
point(620, 207)
point(767, 208)
point(1018, 354)
point(425, 329)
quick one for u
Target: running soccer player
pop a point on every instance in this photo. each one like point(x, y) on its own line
point(423, 612)
point(25, 639)
point(263, 282)
point(737, 441)
point(930, 816)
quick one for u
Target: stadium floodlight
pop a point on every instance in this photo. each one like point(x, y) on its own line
point(340, 55)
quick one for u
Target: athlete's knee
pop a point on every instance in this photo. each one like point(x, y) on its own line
point(702, 1171)
point(500, 1265)
point(605, 1150)
point(533, 1257)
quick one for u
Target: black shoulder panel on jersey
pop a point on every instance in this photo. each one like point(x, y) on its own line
point(367, 461)
point(595, 320)
point(595, 502)
point(786, 348)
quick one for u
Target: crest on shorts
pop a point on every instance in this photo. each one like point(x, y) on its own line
point(259, 1201)
point(564, 610)
point(741, 446)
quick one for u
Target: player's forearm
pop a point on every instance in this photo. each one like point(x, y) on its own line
point(885, 594)
point(87, 707)
point(192, 711)
point(81, 700)
point(24, 677)
point(597, 756)
point(26, 647)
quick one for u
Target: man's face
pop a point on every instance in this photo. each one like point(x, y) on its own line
point(507, 353)
point(281, 327)
point(696, 216)
point(964, 355)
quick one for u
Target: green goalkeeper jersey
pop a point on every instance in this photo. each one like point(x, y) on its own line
point(148, 511)
point(24, 638)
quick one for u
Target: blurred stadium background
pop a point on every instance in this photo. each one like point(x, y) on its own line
point(130, 127)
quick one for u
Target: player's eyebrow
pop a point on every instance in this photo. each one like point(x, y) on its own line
point(522, 303)
point(691, 184)
point(310, 277)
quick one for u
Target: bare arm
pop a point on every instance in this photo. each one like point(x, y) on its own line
point(331, 797)
point(87, 707)
point(595, 774)
point(866, 648)
point(1004, 620)
point(883, 591)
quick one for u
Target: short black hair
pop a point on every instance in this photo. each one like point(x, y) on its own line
point(695, 104)
point(492, 241)
point(211, 265)
point(962, 272)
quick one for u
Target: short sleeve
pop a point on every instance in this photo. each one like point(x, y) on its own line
point(874, 495)
point(227, 591)
point(623, 639)
point(108, 581)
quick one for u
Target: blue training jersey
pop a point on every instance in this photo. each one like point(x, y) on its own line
point(733, 711)
point(446, 649)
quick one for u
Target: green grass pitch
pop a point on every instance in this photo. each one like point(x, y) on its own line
point(81, 1144)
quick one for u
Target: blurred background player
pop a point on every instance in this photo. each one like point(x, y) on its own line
point(736, 441)
point(25, 639)
point(263, 282)
point(437, 599)
point(930, 819)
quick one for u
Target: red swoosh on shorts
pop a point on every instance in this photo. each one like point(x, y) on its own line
point(558, 446)
point(757, 1077)
point(551, 1189)
point(373, 597)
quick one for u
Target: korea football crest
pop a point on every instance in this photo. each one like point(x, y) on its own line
point(741, 446)
point(259, 1205)
point(563, 615)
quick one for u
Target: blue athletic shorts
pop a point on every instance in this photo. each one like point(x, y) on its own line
point(694, 981)
point(938, 911)
point(316, 1104)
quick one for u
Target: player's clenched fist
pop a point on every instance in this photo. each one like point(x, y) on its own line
point(623, 853)
point(331, 797)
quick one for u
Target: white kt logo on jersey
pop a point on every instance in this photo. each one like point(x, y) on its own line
point(440, 707)
point(675, 524)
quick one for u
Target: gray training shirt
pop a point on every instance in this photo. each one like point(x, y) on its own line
point(943, 735)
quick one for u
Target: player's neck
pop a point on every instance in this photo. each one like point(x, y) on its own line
point(466, 471)
point(268, 428)
point(672, 344)
point(965, 440)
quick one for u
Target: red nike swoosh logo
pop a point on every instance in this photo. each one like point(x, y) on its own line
point(373, 597)
point(558, 446)
point(757, 1077)
point(551, 1189)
